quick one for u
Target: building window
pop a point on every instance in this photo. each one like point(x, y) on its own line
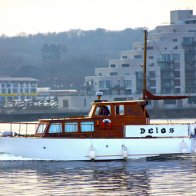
point(120, 99)
point(112, 65)
point(176, 74)
point(113, 73)
point(150, 48)
point(188, 40)
point(152, 83)
point(104, 84)
point(15, 85)
point(151, 57)
point(65, 103)
point(15, 90)
point(177, 82)
point(192, 100)
point(177, 90)
point(87, 126)
point(26, 90)
point(153, 90)
point(138, 56)
point(170, 102)
point(152, 74)
point(125, 65)
point(33, 84)
point(33, 90)
point(176, 65)
point(165, 57)
point(124, 57)
point(128, 91)
point(128, 84)
point(176, 57)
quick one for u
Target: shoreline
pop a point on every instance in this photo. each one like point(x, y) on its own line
point(29, 116)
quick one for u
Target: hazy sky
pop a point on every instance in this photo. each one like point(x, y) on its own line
point(33, 16)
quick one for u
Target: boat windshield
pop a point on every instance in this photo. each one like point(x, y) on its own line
point(104, 110)
point(41, 128)
point(91, 111)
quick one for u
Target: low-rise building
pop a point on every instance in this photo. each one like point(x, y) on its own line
point(17, 88)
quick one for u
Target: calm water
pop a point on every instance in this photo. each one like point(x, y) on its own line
point(26, 177)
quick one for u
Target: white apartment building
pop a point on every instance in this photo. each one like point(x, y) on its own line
point(171, 67)
point(17, 88)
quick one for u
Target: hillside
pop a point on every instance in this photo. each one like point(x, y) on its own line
point(62, 60)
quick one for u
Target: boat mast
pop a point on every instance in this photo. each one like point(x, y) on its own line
point(144, 64)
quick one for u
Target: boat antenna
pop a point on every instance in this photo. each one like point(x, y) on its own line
point(144, 65)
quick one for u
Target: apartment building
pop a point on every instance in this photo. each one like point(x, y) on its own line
point(171, 68)
point(171, 65)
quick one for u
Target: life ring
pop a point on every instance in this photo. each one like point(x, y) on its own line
point(106, 123)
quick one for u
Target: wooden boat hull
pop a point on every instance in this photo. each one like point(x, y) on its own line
point(95, 149)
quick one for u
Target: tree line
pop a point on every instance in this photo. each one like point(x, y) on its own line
point(62, 60)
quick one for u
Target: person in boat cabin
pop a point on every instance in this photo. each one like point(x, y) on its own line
point(104, 110)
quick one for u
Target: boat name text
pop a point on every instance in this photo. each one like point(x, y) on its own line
point(156, 130)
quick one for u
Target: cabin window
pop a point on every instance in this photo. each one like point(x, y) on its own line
point(41, 128)
point(71, 127)
point(55, 128)
point(103, 110)
point(120, 110)
point(87, 126)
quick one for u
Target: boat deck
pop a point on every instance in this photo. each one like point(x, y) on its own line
point(28, 128)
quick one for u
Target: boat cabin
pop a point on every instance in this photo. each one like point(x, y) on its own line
point(105, 120)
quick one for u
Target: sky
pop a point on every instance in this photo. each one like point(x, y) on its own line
point(43, 16)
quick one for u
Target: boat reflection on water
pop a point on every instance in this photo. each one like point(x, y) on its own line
point(173, 177)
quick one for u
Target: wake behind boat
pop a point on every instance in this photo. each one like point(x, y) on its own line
point(112, 130)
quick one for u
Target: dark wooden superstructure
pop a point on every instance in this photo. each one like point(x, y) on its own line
point(99, 123)
point(105, 119)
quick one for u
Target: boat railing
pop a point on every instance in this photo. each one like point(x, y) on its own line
point(18, 128)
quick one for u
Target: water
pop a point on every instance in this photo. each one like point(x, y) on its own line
point(168, 177)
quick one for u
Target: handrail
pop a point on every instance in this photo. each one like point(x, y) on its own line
point(19, 128)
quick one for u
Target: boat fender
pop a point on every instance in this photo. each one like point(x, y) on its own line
point(92, 153)
point(183, 147)
point(106, 123)
point(124, 152)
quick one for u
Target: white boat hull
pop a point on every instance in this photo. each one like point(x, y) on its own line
point(97, 149)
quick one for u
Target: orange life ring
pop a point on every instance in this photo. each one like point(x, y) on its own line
point(106, 123)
